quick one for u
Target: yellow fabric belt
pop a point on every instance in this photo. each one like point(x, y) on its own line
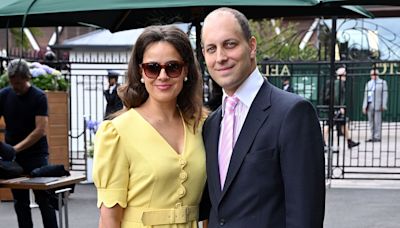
point(149, 216)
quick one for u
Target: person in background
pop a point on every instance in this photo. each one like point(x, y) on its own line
point(24, 108)
point(340, 119)
point(374, 104)
point(149, 161)
point(286, 86)
point(114, 103)
point(50, 59)
point(215, 97)
point(264, 147)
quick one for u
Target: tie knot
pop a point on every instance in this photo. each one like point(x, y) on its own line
point(231, 103)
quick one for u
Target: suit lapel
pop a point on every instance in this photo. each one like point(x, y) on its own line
point(212, 151)
point(256, 116)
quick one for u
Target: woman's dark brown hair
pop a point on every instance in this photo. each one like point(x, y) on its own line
point(133, 93)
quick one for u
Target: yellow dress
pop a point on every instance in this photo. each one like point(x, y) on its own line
point(135, 167)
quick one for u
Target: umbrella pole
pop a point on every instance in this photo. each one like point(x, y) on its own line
point(332, 90)
point(199, 53)
point(7, 38)
point(200, 59)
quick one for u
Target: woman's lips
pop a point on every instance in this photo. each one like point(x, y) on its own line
point(163, 86)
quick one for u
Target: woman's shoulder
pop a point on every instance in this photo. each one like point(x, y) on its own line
point(125, 121)
point(129, 115)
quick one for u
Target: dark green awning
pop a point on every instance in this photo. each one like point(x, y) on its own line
point(119, 15)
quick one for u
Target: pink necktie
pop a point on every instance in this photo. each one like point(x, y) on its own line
point(227, 138)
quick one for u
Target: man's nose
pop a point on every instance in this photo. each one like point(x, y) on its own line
point(221, 55)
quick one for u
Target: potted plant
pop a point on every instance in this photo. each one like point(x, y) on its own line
point(43, 77)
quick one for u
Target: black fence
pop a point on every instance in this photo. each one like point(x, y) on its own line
point(379, 159)
point(368, 160)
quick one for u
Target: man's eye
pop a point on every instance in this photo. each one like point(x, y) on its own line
point(210, 49)
point(230, 44)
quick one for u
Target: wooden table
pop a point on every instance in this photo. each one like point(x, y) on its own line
point(48, 183)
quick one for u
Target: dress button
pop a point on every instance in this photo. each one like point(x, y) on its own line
point(181, 191)
point(183, 175)
point(222, 222)
point(182, 162)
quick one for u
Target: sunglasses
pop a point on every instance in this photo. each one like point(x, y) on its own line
point(173, 69)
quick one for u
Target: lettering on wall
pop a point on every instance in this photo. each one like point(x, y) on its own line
point(275, 70)
point(388, 68)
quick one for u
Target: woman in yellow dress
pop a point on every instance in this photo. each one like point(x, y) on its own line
point(149, 161)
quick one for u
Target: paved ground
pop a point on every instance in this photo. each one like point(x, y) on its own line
point(351, 204)
point(362, 208)
point(81, 207)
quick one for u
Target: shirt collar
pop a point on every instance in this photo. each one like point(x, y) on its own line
point(248, 90)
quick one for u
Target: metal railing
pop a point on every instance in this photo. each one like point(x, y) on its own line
point(368, 160)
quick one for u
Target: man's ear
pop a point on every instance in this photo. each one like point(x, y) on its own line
point(253, 47)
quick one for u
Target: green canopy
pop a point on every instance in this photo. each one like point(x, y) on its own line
point(117, 15)
point(362, 2)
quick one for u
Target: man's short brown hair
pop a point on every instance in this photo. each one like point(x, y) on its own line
point(18, 68)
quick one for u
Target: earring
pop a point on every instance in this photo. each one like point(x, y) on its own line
point(142, 80)
point(185, 79)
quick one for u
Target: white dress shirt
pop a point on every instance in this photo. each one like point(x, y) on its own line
point(246, 94)
point(371, 89)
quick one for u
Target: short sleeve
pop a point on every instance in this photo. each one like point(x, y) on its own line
point(110, 167)
point(42, 106)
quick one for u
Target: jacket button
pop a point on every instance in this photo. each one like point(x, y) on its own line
point(222, 222)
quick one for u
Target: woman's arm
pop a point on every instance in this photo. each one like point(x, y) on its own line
point(110, 217)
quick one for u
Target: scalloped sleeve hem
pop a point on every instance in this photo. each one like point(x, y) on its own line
point(111, 197)
point(110, 166)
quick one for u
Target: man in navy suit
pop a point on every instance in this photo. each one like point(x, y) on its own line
point(273, 174)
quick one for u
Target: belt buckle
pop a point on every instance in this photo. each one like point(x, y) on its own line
point(181, 215)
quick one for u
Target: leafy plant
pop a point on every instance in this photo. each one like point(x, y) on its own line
point(4, 80)
point(92, 126)
point(90, 150)
point(281, 42)
point(43, 77)
point(21, 39)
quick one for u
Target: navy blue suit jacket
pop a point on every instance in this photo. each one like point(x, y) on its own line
point(276, 174)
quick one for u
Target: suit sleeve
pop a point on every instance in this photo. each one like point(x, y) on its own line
point(364, 106)
point(303, 167)
point(385, 95)
point(205, 203)
point(109, 96)
point(112, 98)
